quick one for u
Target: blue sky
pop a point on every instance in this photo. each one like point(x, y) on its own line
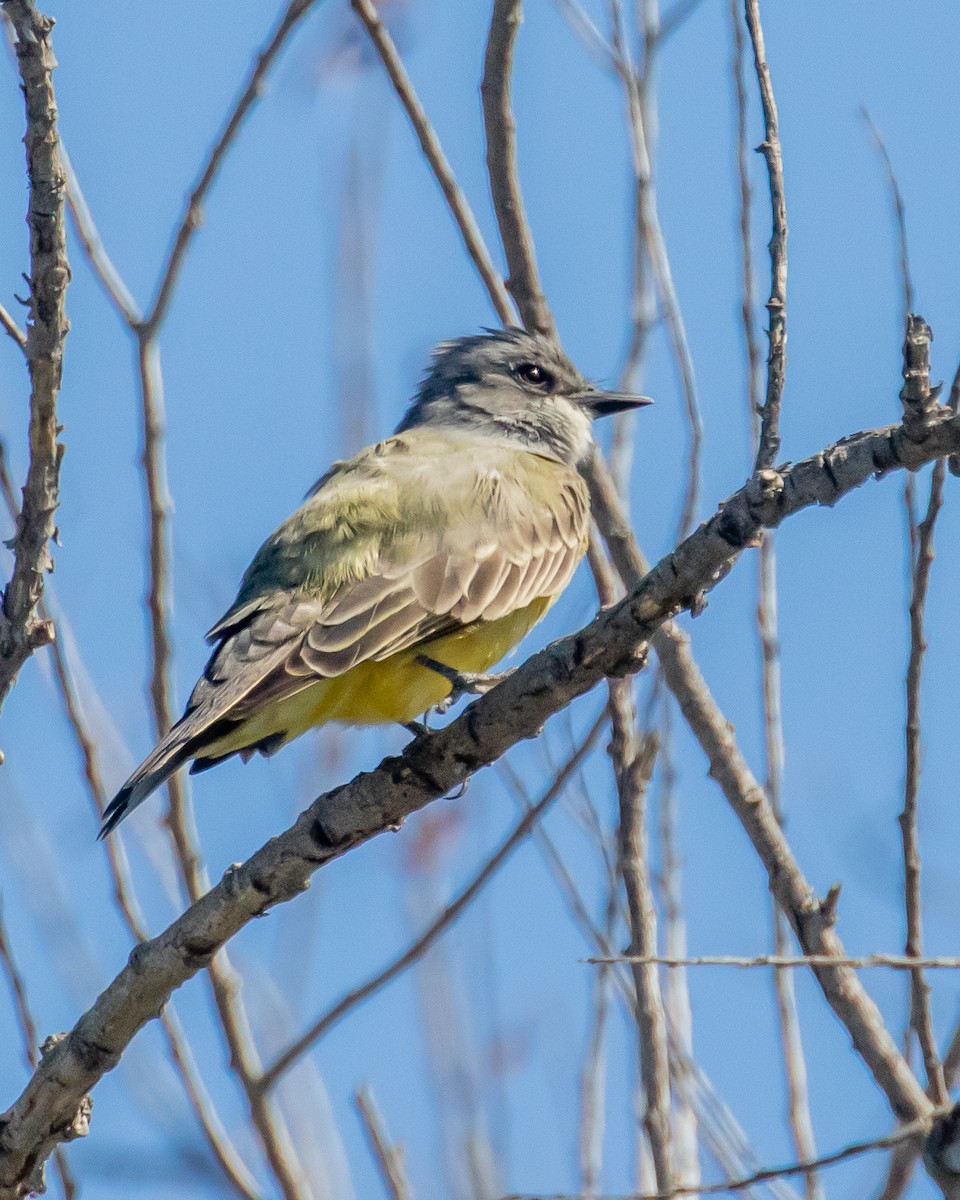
point(253, 371)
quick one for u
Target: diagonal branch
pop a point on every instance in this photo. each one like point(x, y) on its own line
point(21, 630)
point(438, 762)
point(193, 214)
point(433, 152)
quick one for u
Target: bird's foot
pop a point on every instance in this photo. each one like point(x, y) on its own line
point(463, 683)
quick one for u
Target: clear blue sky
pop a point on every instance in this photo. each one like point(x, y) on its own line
point(253, 368)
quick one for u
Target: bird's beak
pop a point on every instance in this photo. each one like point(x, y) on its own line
point(604, 404)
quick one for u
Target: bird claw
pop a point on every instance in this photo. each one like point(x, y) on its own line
point(463, 683)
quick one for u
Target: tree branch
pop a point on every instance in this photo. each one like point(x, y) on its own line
point(21, 631)
point(437, 762)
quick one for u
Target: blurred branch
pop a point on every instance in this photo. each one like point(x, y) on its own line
point(914, 1131)
point(94, 249)
point(500, 127)
point(433, 152)
point(10, 325)
point(676, 994)
point(390, 1159)
point(634, 760)
point(286, 1059)
point(769, 442)
point(21, 629)
point(648, 223)
point(437, 762)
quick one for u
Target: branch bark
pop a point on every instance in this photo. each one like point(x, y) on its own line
point(21, 629)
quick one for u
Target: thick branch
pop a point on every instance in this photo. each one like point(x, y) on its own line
point(437, 762)
point(21, 630)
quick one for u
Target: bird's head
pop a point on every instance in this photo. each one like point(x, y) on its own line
point(515, 385)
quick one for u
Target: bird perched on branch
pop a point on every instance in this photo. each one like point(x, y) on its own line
point(410, 569)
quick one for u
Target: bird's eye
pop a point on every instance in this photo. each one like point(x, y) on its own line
point(537, 376)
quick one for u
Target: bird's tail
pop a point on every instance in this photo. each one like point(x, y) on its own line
point(165, 758)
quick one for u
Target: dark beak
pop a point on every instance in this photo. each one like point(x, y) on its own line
point(604, 404)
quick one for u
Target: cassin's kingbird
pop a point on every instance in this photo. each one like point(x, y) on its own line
point(447, 542)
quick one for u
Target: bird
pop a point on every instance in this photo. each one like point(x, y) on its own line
point(410, 569)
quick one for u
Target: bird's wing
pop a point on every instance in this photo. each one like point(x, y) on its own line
point(413, 538)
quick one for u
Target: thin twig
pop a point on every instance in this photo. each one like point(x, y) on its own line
point(418, 947)
point(913, 1130)
point(523, 282)
point(93, 247)
point(634, 761)
point(433, 152)
point(593, 1077)
point(920, 1015)
point(676, 994)
point(21, 631)
point(899, 213)
point(390, 1158)
point(769, 442)
point(10, 325)
point(896, 962)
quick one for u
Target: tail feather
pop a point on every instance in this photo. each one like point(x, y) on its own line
point(159, 765)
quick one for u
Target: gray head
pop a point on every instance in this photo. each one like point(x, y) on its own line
point(515, 385)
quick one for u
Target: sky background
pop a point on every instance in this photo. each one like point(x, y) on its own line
point(258, 353)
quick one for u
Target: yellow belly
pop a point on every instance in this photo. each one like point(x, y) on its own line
point(395, 689)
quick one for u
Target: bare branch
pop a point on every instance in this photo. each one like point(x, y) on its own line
point(86, 229)
point(14, 330)
point(634, 763)
point(389, 1158)
point(896, 962)
point(433, 152)
point(769, 447)
point(286, 1059)
point(21, 631)
point(523, 282)
point(920, 1015)
point(253, 89)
